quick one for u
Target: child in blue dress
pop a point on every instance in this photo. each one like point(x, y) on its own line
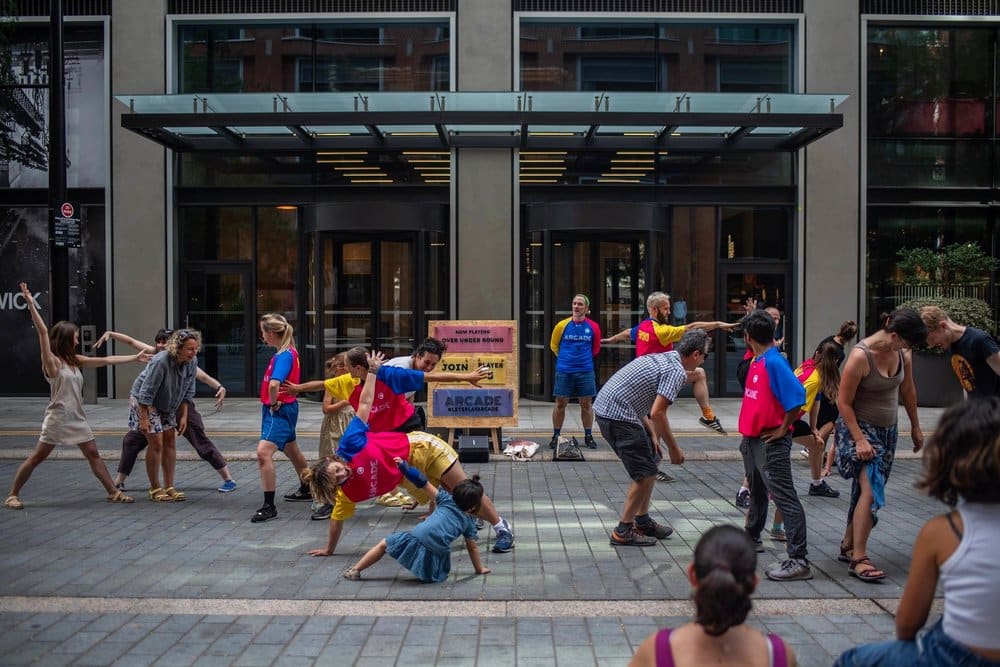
point(426, 550)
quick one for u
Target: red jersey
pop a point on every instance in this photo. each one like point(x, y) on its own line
point(373, 472)
point(389, 409)
point(284, 367)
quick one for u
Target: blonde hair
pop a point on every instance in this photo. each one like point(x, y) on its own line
point(178, 338)
point(277, 324)
point(933, 316)
point(335, 363)
point(320, 480)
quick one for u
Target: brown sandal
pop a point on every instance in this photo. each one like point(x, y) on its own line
point(13, 503)
point(869, 575)
point(175, 495)
point(120, 497)
point(845, 553)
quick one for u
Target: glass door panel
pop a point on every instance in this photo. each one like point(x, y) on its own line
point(395, 316)
point(348, 302)
point(214, 302)
point(622, 279)
point(769, 289)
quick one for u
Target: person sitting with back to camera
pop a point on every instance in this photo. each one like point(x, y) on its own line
point(723, 576)
point(961, 468)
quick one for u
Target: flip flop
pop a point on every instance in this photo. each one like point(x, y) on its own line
point(13, 503)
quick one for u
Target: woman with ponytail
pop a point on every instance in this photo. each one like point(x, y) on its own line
point(723, 576)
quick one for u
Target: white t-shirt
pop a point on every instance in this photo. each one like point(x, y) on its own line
point(403, 362)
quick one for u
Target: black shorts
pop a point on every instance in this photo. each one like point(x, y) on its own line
point(800, 428)
point(828, 412)
point(631, 443)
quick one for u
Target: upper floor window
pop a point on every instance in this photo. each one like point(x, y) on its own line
point(649, 56)
point(313, 57)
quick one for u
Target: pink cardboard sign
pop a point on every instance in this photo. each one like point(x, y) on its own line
point(481, 338)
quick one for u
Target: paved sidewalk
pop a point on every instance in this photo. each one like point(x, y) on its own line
point(196, 583)
point(235, 429)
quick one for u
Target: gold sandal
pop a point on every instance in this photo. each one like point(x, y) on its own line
point(175, 495)
point(13, 503)
point(388, 500)
point(158, 495)
point(120, 497)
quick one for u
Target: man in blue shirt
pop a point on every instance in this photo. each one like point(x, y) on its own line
point(575, 341)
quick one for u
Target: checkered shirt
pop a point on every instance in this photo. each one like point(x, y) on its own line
point(628, 395)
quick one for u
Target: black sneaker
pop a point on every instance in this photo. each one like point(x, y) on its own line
point(632, 538)
point(299, 496)
point(653, 529)
point(322, 512)
point(713, 424)
point(793, 569)
point(588, 442)
point(743, 499)
point(823, 489)
point(553, 442)
point(664, 477)
point(265, 513)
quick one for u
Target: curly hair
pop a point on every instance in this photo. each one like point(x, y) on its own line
point(178, 338)
point(725, 564)
point(962, 458)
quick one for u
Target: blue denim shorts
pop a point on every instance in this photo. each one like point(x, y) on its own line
point(575, 385)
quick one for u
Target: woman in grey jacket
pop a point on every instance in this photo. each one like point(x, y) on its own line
point(158, 408)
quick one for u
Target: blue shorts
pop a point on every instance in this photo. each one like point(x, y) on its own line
point(279, 427)
point(575, 385)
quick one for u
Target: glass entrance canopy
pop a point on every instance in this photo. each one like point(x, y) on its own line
point(698, 123)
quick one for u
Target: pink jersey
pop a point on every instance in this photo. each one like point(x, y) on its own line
point(293, 376)
point(771, 391)
point(373, 472)
point(389, 409)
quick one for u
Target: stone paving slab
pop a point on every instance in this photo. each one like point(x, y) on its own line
point(196, 583)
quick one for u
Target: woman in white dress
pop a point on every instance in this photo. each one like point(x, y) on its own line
point(65, 422)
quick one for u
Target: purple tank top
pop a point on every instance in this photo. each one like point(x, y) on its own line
point(665, 657)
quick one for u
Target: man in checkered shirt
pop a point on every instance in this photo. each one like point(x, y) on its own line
point(646, 385)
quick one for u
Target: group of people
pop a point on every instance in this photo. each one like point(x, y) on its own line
point(372, 444)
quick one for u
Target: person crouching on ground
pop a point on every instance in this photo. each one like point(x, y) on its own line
point(363, 467)
point(723, 576)
point(426, 549)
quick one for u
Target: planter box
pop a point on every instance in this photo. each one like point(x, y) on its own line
point(937, 385)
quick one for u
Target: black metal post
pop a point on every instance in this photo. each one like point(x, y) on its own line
point(58, 256)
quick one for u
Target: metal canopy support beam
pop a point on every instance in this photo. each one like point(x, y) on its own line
point(303, 134)
point(663, 135)
point(495, 133)
point(376, 133)
point(442, 134)
point(228, 135)
point(739, 134)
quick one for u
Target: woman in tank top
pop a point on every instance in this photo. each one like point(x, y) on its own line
point(723, 576)
point(65, 422)
point(876, 374)
point(961, 468)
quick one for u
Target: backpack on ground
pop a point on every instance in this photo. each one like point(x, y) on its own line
point(567, 449)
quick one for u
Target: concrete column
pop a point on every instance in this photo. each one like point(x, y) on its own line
point(485, 216)
point(834, 242)
point(138, 195)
